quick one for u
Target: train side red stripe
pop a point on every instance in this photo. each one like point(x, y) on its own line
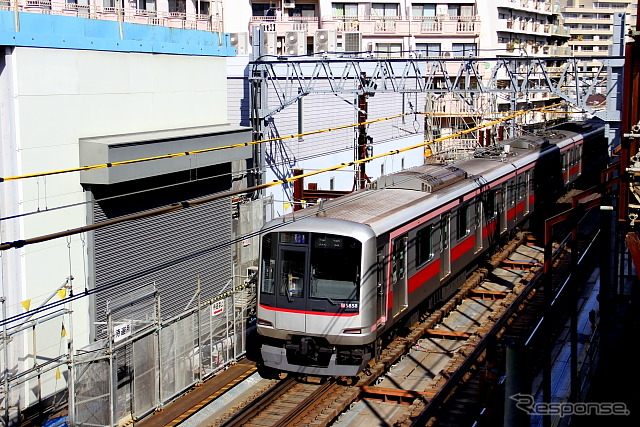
point(424, 275)
point(318, 313)
point(463, 247)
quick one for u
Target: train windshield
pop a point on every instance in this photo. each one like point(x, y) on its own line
point(335, 267)
point(317, 266)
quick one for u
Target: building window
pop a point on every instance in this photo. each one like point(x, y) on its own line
point(302, 10)
point(384, 10)
point(345, 10)
point(429, 49)
point(205, 7)
point(464, 49)
point(144, 4)
point(389, 50)
point(425, 11)
point(179, 6)
point(262, 9)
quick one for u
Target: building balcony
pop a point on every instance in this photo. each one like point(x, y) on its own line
point(592, 20)
point(560, 50)
point(538, 6)
point(524, 27)
point(533, 49)
point(281, 25)
point(577, 32)
point(186, 20)
point(590, 51)
point(560, 31)
point(464, 26)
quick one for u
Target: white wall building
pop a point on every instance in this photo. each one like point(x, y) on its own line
point(82, 92)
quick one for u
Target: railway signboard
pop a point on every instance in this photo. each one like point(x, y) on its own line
point(217, 308)
point(121, 331)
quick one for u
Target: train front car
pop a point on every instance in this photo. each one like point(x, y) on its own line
point(315, 312)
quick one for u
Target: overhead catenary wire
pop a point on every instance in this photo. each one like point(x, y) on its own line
point(50, 209)
point(186, 204)
point(183, 205)
point(235, 172)
point(193, 152)
point(225, 147)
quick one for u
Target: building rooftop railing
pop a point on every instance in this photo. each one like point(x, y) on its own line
point(186, 20)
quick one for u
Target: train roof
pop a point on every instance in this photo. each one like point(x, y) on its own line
point(399, 197)
point(402, 196)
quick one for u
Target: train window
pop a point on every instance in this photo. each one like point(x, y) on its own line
point(527, 192)
point(328, 280)
point(292, 283)
point(503, 207)
point(424, 245)
point(520, 188)
point(463, 222)
point(397, 260)
point(511, 196)
point(268, 265)
point(490, 205)
point(580, 159)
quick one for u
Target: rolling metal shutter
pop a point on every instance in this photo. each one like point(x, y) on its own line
point(170, 250)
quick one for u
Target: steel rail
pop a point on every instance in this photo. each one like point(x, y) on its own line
point(242, 417)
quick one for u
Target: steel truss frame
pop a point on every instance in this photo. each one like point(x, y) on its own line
point(512, 78)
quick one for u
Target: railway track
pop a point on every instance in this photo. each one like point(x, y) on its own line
point(474, 400)
point(456, 364)
point(297, 403)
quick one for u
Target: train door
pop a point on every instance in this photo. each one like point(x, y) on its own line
point(381, 291)
point(478, 221)
point(399, 273)
point(292, 273)
point(445, 247)
point(504, 206)
point(527, 192)
point(579, 149)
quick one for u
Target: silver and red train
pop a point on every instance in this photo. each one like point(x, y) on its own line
point(336, 277)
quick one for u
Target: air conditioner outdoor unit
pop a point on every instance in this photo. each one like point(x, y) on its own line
point(288, 3)
point(270, 42)
point(352, 42)
point(240, 42)
point(295, 43)
point(324, 41)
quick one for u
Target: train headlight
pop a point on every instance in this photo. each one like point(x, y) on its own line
point(352, 331)
point(263, 322)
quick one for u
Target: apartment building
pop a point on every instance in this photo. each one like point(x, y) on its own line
point(203, 15)
point(379, 28)
point(403, 28)
point(382, 29)
point(591, 23)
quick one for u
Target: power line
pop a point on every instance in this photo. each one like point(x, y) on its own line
point(188, 153)
point(186, 204)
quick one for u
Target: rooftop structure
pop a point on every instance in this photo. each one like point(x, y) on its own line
point(591, 23)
